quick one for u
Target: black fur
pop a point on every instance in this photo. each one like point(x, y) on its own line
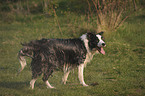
point(50, 54)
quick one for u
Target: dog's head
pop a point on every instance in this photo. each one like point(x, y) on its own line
point(94, 42)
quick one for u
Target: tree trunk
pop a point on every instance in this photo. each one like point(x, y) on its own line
point(135, 7)
point(46, 6)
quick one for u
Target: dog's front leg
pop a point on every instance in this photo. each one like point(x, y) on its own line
point(80, 74)
point(64, 78)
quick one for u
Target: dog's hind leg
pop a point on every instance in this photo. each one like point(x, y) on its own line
point(36, 71)
point(35, 74)
point(32, 82)
point(80, 74)
point(46, 76)
point(48, 84)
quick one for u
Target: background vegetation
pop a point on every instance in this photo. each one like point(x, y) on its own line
point(119, 73)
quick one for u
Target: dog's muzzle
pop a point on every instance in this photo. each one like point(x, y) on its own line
point(103, 44)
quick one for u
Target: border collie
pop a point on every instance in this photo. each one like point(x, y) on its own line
point(66, 54)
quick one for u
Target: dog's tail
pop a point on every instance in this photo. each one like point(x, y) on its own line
point(28, 50)
point(25, 51)
point(22, 61)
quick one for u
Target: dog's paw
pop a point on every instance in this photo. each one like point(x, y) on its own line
point(85, 85)
point(51, 87)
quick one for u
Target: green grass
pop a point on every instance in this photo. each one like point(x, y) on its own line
point(118, 73)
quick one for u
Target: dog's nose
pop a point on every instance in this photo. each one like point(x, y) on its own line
point(104, 44)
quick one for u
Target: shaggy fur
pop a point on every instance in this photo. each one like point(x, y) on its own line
point(65, 54)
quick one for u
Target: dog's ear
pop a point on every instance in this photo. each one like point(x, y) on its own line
point(101, 33)
point(90, 35)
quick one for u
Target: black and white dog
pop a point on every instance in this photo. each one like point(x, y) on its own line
point(66, 54)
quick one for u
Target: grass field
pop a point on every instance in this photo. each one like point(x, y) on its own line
point(121, 72)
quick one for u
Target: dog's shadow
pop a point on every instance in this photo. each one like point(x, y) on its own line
point(21, 85)
point(14, 85)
